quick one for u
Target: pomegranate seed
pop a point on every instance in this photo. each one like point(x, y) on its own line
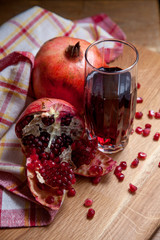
point(138, 115)
point(159, 164)
point(146, 132)
point(91, 213)
point(123, 165)
point(138, 85)
point(135, 163)
point(148, 125)
point(156, 136)
point(120, 176)
point(151, 113)
point(88, 202)
point(139, 130)
point(142, 155)
point(117, 170)
point(49, 199)
point(59, 192)
point(132, 188)
point(96, 170)
point(139, 99)
point(132, 131)
point(157, 115)
point(71, 192)
point(96, 180)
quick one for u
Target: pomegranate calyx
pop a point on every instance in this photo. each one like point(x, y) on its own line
point(73, 50)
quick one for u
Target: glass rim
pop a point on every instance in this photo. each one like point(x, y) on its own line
point(113, 40)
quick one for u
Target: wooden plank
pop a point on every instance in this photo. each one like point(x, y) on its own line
point(119, 214)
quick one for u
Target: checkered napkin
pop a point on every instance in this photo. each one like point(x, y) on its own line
point(20, 39)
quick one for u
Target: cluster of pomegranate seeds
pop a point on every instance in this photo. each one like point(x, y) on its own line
point(138, 115)
point(90, 213)
point(88, 148)
point(118, 171)
point(156, 136)
point(47, 121)
point(88, 202)
point(22, 124)
point(135, 163)
point(132, 188)
point(60, 143)
point(145, 132)
point(95, 169)
point(139, 99)
point(66, 120)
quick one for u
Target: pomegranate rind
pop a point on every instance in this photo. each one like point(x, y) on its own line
point(41, 195)
point(100, 159)
point(44, 105)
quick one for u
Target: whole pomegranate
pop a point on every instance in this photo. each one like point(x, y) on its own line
point(59, 69)
point(53, 139)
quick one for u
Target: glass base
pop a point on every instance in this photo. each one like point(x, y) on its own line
point(109, 149)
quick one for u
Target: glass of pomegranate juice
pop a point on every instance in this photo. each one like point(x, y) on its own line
point(110, 92)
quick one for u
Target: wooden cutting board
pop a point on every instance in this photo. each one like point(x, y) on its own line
point(119, 214)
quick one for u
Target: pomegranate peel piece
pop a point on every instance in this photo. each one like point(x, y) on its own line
point(42, 194)
point(100, 165)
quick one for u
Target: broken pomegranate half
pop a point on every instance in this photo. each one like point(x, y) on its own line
point(52, 138)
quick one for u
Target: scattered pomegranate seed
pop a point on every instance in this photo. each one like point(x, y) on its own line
point(139, 99)
point(91, 213)
point(120, 176)
point(148, 125)
point(132, 131)
point(138, 115)
point(151, 113)
point(138, 85)
point(132, 188)
point(159, 164)
point(135, 163)
point(142, 155)
point(156, 136)
point(88, 202)
point(146, 132)
point(117, 170)
point(123, 165)
point(96, 180)
point(139, 130)
point(71, 192)
point(157, 115)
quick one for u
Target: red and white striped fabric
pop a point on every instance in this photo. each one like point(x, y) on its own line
point(20, 39)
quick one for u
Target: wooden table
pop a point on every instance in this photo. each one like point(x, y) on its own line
point(119, 215)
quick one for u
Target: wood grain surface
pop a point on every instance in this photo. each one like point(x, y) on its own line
point(119, 214)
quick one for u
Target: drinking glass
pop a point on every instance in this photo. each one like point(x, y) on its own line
point(110, 92)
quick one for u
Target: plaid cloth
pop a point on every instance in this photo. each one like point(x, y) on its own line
point(27, 32)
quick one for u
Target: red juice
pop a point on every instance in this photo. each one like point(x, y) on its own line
point(110, 105)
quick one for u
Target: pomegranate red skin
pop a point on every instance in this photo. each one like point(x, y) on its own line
point(58, 75)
